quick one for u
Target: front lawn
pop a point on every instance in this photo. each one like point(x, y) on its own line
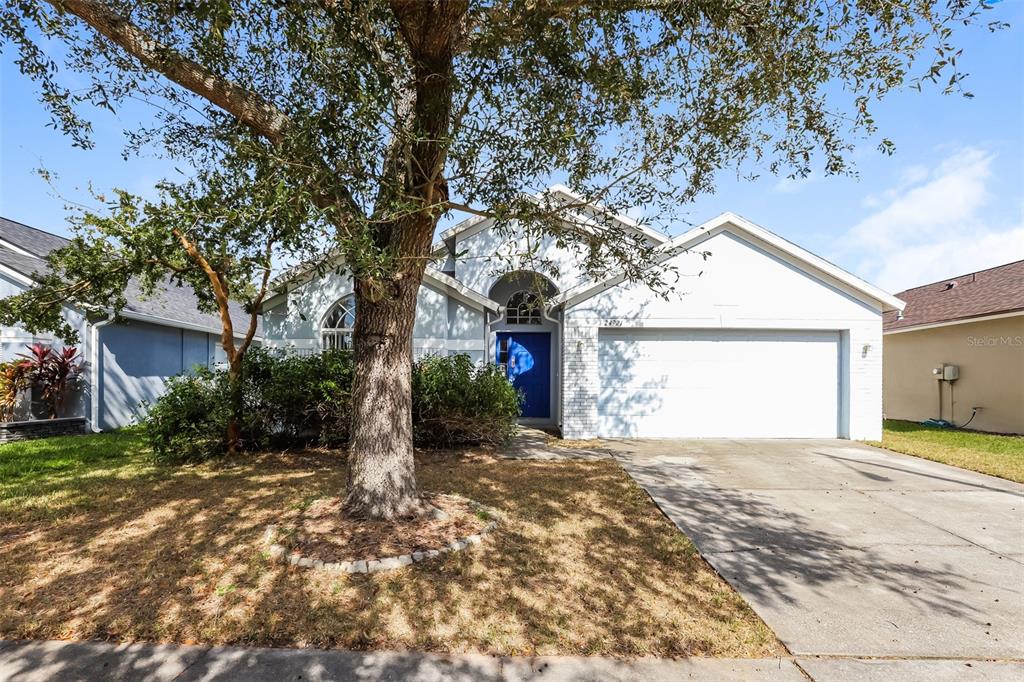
point(101, 543)
point(992, 454)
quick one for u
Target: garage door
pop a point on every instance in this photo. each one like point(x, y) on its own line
point(718, 384)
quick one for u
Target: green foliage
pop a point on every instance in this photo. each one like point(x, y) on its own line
point(457, 402)
point(215, 231)
point(300, 399)
point(636, 103)
point(188, 422)
point(295, 400)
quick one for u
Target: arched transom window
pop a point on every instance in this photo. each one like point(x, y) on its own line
point(336, 331)
point(523, 308)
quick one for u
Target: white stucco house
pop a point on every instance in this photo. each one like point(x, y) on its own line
point(762, 339)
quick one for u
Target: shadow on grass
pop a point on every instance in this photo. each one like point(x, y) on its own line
point(582, 564)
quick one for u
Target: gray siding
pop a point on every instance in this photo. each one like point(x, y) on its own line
point(136, 360)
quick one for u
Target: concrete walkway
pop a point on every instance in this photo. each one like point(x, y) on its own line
point(848, 550)
point(73, 661)
point(93, 661)
point(536, 444)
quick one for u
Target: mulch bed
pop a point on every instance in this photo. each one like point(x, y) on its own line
point(322, 531)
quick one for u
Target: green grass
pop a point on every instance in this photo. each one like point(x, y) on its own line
point(53, 475)
point(988, 453)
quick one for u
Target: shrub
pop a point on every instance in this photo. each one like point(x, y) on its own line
point(456, 402)
point(14, 381)
point(188, 422)
point(300, 400)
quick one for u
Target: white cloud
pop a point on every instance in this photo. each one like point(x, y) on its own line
point(932, 225)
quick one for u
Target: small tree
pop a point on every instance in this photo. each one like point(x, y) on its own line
point(217, 235)
point(390, 114)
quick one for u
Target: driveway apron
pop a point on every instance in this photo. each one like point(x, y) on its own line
point(849, 550)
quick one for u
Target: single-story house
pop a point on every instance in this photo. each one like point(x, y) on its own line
point(761, 339)
point(956, 352)
point(127, 361)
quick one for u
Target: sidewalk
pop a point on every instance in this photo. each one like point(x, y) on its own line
point(94, 661)
point(99, 661)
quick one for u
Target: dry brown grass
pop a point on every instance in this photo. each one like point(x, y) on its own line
point(322, 531)
point(582, 564)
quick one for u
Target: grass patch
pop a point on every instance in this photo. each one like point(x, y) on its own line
point(101, 544)
point(992, 454)
point(50, 476)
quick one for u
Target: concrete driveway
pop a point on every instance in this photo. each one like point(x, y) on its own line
point(849, 550)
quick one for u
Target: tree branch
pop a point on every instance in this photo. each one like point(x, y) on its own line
point(245, 105)
point(227, 337)
point(258, 299)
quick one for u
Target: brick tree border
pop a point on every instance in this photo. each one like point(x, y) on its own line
point(280, 553)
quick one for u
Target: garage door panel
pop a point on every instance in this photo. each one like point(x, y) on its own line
point(718, 383)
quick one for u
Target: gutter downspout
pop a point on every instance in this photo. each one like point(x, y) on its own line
point(561, 356)
point(94, 360)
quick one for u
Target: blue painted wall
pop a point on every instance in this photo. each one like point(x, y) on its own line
point(136, 360)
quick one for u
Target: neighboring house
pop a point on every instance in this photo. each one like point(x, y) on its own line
point(764, 339)
point(127, 361)
point(974, 323)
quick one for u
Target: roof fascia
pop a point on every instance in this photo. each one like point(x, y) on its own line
point(743, 228)
point(950, 323)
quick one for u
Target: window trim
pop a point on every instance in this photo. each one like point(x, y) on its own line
point(515, 314)
point(340, 337)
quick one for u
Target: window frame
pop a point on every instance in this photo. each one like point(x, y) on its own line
point(339, 337)
point(525, 311)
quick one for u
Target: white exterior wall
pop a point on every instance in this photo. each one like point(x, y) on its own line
point(740, 286)
point(489, 255)
point(444, 325)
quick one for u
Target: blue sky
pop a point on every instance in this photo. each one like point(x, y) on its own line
point(950, 201)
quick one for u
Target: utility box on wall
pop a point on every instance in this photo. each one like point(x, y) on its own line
point(950, 372)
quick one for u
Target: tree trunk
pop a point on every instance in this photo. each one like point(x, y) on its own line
point(234, 431)
point(381, 473)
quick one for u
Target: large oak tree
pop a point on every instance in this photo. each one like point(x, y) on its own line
point(393, 113)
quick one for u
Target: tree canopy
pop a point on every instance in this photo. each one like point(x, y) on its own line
point(636, 102)
point(389, 114)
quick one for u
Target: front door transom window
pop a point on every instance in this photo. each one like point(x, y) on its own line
point(523, 308)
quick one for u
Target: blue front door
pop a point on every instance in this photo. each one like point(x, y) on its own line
point(526, 357)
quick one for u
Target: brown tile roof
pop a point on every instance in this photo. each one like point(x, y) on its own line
point(986, 292)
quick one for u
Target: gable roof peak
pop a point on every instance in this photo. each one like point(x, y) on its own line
point(736, 224)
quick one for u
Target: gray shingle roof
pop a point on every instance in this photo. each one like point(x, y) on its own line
point(26, 265)
point(30, 239)
point(170, 302)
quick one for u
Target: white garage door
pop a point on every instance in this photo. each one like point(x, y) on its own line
point(718, 384)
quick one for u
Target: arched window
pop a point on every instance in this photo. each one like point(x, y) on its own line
point(336, 331)
point(523, 308)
